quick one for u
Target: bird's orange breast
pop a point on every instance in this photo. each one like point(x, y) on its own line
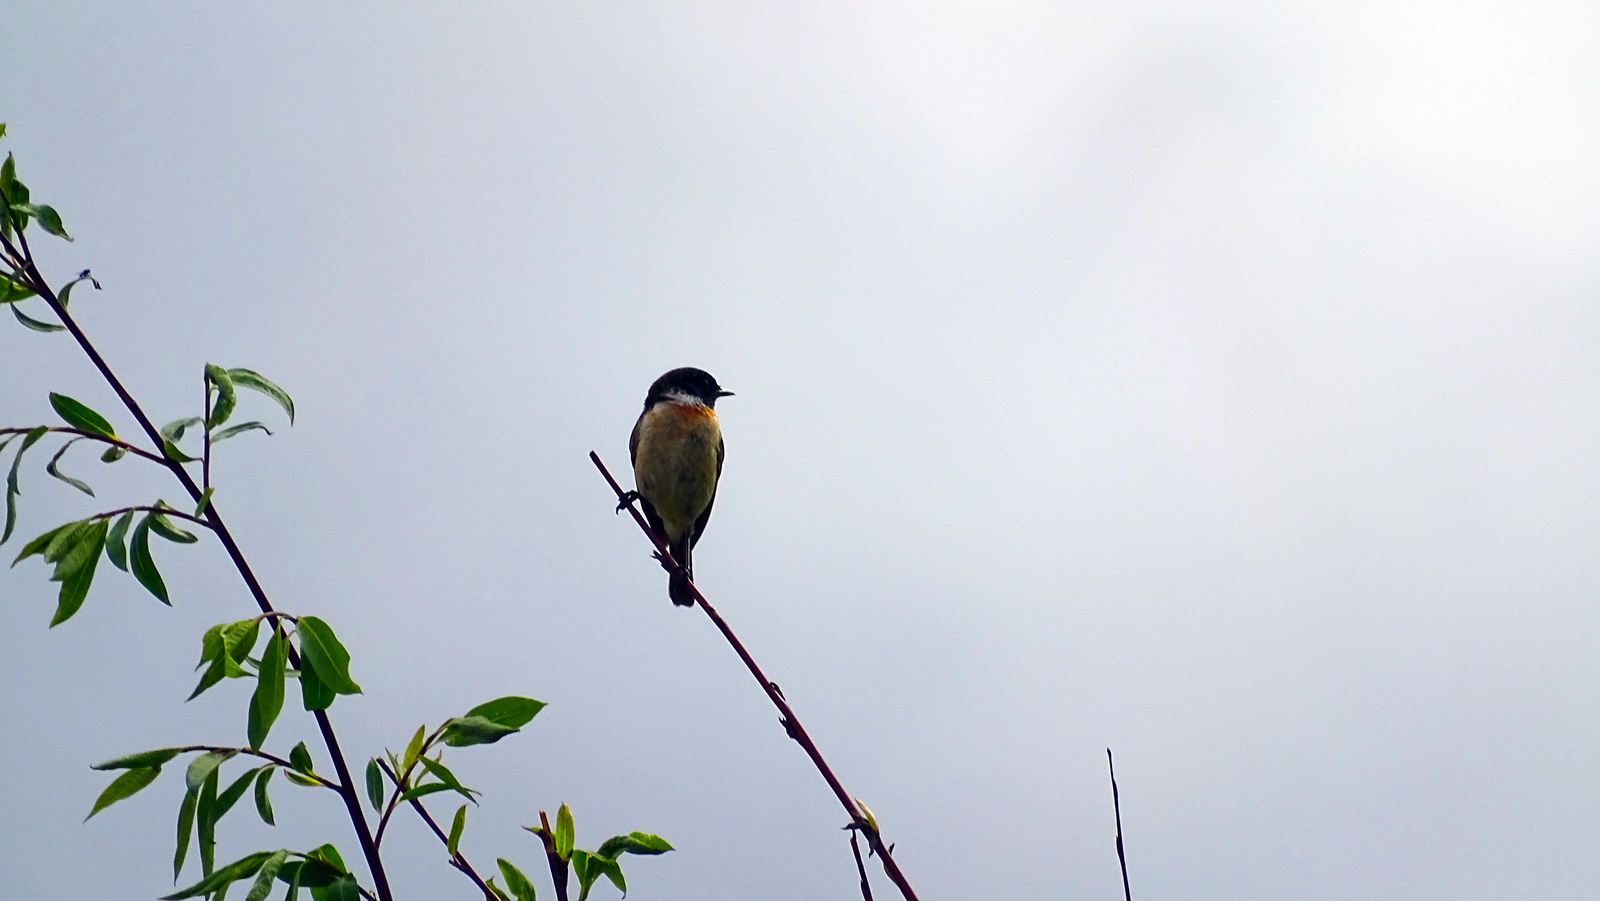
point(675, 464)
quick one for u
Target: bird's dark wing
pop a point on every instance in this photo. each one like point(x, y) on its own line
point(705, 517)
point(633, 442)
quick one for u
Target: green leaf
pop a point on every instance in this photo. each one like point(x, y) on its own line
point(344, 889)
point(164, 527)
point(456, 827)
point(38, 545)
point(12, 288)
point(331, 854)
point(240, 637)
point(47, 217)
point(243, 868)
point(205, 501)
point(76, 581)
point(141, 759)
point(589, 867)
point(414, 749)
point(235, 791)
point(52, 469)
point(314, 695)
point(35, 324)
point(174, 454)
point(443, 774)
point(117, 543)
point(264, 803)
point(206, 823)
point(510, 711)
point(311, 872)
point(423, 791)
point(64, 541)
point(328, 657)
point(634, 843)
point(244, 378)
point(113, 453)
point(71, 551)
point(12, 490)
point(218, 378)
point(375, 784)
point(268, 872)
point(515, 881)
point(124, 786)
point(463, 731)
point(173, 431)
point(81, 417)
point(201, 768)
point(498, 891)
point(300, 758)
point(144, 567)
point(239, 429)
point(267, 702)
point(564, 832)
point(185, 830)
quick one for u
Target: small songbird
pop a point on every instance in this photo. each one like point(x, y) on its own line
point(677, 453)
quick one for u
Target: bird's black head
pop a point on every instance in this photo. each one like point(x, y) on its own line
point(686, 384)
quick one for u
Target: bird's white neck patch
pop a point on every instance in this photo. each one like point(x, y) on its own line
point(678, 397)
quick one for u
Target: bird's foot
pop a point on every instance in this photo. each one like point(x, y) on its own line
point(627, 499)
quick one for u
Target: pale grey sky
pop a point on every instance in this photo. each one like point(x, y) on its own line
point(1210, 380)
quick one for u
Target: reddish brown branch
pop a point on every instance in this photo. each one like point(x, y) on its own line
point(790, 722)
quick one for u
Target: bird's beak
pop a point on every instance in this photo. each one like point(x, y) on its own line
point(724, 393)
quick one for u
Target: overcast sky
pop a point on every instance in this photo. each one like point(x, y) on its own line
point(1213, 381)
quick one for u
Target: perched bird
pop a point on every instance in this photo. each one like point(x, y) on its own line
point(677, 453)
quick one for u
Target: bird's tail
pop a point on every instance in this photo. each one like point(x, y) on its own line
point(678, 582)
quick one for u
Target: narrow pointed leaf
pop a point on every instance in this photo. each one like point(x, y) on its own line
point(414, 749)
point(264, 803)
point(47, 217)
point(244, 378)
point(375, 784)
point(53, 469)
point(267, 702)
point(117, 541)
point(201, 768)
point(33, 323)
point(423, 791)
point(464, 731)
point(243, 868)
point(634, 843)
point(510, 711)
point(205, 823)
point(222, 407)
point(185, 831)
point(312, 873)
point(38, 545)
point(239, 429)
point(164, 527)
point(75, 585)
point(141, 759)
point(175, 454)
point(80, 416)
point(515, 881)
point(226, 799)
point(264, 877)
point(144, 566)
point(564, 832)
point(205, 501)
point(124, 786)
point(173, 431)
point(72, 551)
point(444, 775)
point(64, 293)
point(12, 490)
point(499, 892)
point(457, 826)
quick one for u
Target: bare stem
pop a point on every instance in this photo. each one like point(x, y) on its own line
point(861, 868)
point(1116, 804)
point(117, 442)
point(787, 717)
point(271, 758)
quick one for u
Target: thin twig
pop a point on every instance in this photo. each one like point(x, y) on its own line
point(1116, 804)
point(558, 866)
point(790, 722)
point(352, 802)
point(271, 758)
point(164, 511)
point(457, 859)
point(866, 887)
point(117, 442)
point(205, 455)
